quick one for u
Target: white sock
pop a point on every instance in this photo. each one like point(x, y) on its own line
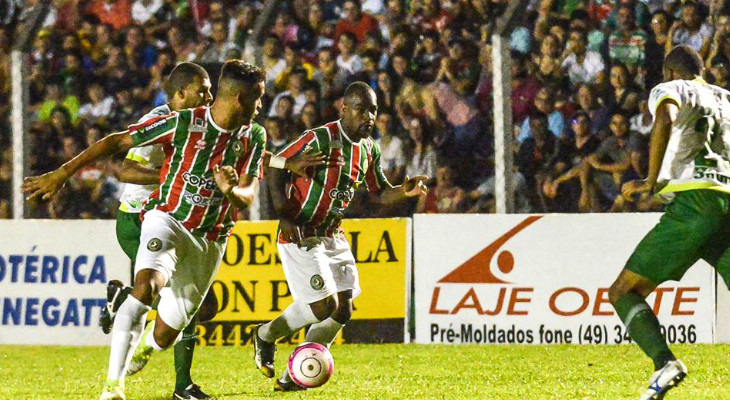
point(126, 332)
point(324, 332)
point(151, 342)
point(294, 318)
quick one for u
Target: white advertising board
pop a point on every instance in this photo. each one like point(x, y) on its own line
point(53, 277)
point(542, 280)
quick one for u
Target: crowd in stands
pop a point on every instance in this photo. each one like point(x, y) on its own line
point(581, 72)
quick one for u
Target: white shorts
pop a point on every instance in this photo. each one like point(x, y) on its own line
point(188, 262)
point(320, 268)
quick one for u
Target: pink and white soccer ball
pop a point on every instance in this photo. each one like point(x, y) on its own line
point(311, 365)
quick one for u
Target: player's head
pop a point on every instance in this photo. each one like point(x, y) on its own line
point(682, 62)
point(359, 110)
point(242, 84)
point(188, 86)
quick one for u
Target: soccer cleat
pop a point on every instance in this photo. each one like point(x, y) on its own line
point(113, 392)
point(115, 296)
point(664, 380)
point(286, 386)
point(263, 353)
point(192, 392)
point(142, 353)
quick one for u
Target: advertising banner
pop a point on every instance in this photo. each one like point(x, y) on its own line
point(251, 286)
point(542, 280)
point(53, 277)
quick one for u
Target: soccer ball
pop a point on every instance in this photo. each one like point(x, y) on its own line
point(311, 365)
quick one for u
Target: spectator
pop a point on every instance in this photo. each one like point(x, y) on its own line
point(332, 80)
point(445, 197)
point(271, 60)
point(309, 118)
point(628, 44)
point(284, 28)
point(386, 92)
point(615, 162)
point(655, 48)
point(293, 59)
point(278, 139)
point(295, 90)
point(524, 90)
point(138, 51)
point(55, 97)
point(579, 64)
point(598, 114)
point(355, 21)
point(624, 97)
point(548, 60)
point(545, 104)
point(421, 154)
point(115, 13)
point(219, 45)
point(99, 105)
point(428, 56)
point(483, 201)
point(144, 10)
point(690, 30)
point(392, 149)
point(181, 46)
point(431, 16)
point(533, 156)
point(348, 60)
point(560, 189)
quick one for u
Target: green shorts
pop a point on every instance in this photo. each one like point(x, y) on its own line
point(696, 225)
point(129, 227)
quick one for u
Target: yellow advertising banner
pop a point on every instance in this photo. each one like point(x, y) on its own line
point(251, 287)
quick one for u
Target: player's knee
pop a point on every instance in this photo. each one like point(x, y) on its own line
point(343, 313)
point(209, 308)
point(324, 308)
point(147, 285)
point(617, 289)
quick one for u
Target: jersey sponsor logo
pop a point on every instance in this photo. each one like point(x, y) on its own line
point(344, 195)
point(198, 181)
point(703, 173)
point(152, 126)
point(200, 144)
point(197, 199)
point(154, 244)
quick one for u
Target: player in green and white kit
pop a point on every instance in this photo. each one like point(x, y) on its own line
point(188, 86)
point(689, 164)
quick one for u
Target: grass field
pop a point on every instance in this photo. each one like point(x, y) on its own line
point(379, 372)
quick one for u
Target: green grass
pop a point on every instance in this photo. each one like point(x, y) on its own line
point(379, 372)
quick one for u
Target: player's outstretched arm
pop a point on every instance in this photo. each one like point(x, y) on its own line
point(133, 172)
point(285, 210)
point(666, 113)
point(300, 164)
point(46, 185)
point(411, 187)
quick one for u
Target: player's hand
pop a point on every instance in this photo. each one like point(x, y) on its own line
point(639, 186)
point(226, 178)
point(290, 231)
point(44, 186)
point(415, 186)
point(301, 163)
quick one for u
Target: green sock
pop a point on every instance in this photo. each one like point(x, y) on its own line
point(184, 356)
point(643, 327)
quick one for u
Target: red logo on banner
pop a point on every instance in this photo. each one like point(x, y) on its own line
point(477, 269)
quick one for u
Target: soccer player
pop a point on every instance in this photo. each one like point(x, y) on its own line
point(186, 221)
point(188, 86)
point(318, 263)
point(688, 161)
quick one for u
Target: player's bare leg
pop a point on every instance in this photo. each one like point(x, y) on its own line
point(127, 330)
point(294, 318)
point(324, 332)
point(627, 295)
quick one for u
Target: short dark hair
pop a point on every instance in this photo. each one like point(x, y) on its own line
point(357, 89)
point(183, 75)
point(685, 61)
point(238, 72)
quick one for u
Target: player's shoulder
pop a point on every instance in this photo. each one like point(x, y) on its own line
point(258, 132)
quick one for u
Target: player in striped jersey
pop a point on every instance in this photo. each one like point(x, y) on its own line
point(186, 222)
point(689, 164)
point(188, 86)
point(317, 260)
